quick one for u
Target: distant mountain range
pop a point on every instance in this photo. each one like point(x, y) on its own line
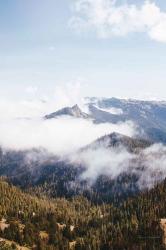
point(114, 200)
point(62, 175)
point(148, 116)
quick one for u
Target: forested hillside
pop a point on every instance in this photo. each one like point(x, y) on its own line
point(61, 177)
point(46, 205)
point(79, 224)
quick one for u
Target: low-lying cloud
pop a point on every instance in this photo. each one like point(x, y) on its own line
point(153, 159)
point(103, 161)
point(22, 126)
point(149, 165)
point(58, 136)
point(64, 137)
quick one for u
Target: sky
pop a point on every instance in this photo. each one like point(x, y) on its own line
point(106, 47)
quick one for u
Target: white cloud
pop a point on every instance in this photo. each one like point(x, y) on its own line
point(31, 90)
point(149, 165)
point(102, 160)
point(22, 126)
point(58, 136)
point(154, 161)
point(109, 19)
point(69, 94)
point(35, 102)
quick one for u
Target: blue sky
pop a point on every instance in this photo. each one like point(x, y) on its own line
point(45, 44)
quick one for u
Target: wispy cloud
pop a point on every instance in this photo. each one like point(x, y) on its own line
point(107, 18)
point(149, 165)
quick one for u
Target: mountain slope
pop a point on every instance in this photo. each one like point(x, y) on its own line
point(131, 225)
point(149, 116)
point(62, 177)
point(120, 140)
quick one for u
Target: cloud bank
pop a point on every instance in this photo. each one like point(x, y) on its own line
point(58, 136)
point(149, 165)
point(103, 161)
point(65, 135)
point(107, 18)
point(22, 126)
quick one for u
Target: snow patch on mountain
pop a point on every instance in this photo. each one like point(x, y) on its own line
point(111, 110)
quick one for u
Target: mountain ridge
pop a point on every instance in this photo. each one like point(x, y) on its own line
point(149, 116)
point(73, 111)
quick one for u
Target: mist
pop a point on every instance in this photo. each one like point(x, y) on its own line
point(22, 127)
point(149, 165)
point(153, 160)
point(103, 161)
point(58, 136)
